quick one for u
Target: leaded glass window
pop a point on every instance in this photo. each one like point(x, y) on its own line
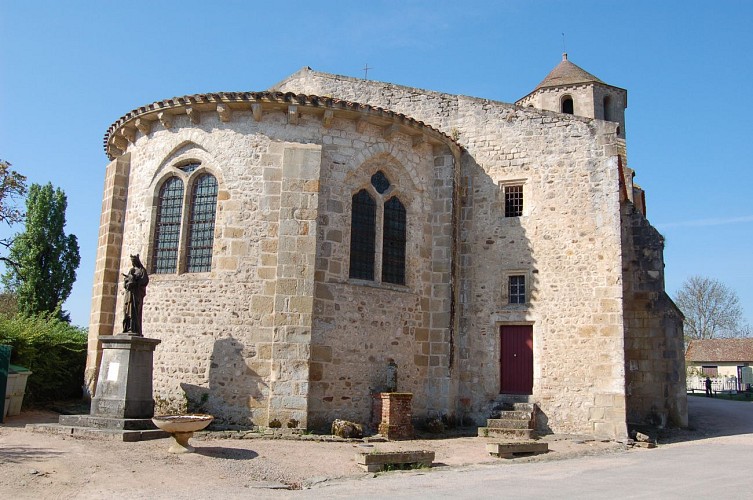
point(393, 242)
point(201, 224)
point(362, 236)
point(189, 167)
point(167, 232)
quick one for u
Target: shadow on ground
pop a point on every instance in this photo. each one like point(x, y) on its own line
point(226, 453)
point(710, 418)
point(18, 454)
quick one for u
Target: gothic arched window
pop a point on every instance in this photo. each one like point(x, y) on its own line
point(185, 243)
point(167, 230)
point(365, 233)
point(201, 224)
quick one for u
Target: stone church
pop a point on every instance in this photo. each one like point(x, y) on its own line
point(301, 240)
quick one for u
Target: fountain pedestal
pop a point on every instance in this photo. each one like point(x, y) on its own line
point(182, 427)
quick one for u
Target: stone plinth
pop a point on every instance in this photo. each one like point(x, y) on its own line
point(124, 386)
point(123, 405)
point(396, 414)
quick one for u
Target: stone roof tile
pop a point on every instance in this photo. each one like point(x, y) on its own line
point(567, 73)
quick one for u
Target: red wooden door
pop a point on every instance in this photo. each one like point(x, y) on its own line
point(516, 359)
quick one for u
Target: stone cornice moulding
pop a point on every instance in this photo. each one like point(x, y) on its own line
point(120, 133)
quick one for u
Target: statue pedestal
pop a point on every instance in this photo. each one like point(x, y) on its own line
point(123, 404)
point(124, 385)
point(394, 411)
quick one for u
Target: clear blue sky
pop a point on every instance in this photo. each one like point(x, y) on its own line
point(68, 69)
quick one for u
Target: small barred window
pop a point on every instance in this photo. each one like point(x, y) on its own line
point(201, 225)
point(517, 289)
point(513, 201)
point(167, 233)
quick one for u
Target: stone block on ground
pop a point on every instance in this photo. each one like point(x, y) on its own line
point(377, 461)
point(513, 449)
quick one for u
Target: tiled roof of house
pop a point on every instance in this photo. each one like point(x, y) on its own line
point(566, 73)
point(720, 350)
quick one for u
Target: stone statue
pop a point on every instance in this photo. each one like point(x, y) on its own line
point(391, 376)
point(135, 289)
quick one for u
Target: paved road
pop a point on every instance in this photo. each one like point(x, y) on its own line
point(713, 461)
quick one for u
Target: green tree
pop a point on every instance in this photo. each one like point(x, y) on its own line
point(12, 187)
point(711, 309)
point(45, 258)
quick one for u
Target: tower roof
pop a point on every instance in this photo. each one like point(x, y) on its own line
point(566, 73)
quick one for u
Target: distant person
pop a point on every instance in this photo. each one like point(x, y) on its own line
point(708, 388)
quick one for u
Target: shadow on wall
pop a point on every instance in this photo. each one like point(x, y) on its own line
point(498, 287)
point(236, 394)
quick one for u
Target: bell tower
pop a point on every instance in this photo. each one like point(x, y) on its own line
point(572, 90)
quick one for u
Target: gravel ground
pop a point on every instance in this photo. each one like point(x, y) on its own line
point(40, 465)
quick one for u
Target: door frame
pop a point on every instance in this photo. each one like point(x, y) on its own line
point(500, 325)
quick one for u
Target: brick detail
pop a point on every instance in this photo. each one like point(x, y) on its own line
point(396, 414)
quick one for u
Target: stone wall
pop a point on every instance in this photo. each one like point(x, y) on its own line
point(654, 345)
point(277, 330)
point(567, 244)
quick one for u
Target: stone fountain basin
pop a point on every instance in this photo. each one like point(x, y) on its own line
point(182, 423)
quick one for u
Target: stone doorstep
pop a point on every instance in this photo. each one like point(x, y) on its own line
point(506, 433)
point(376, 461)
point(514, 415)
point(128, 436)
point(501, 423)
point(513, 449)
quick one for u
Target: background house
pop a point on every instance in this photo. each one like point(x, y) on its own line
point(726, 361)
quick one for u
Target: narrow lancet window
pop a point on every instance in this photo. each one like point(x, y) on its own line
point(201, 224)
point(167, 231)
point(362, 236)
point(393, 242)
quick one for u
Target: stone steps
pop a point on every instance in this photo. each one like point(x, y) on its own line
point(124, 435)
point(499, 423)
point(517, 423)
point(492, 432)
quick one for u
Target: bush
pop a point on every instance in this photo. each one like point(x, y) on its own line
point(54, 351)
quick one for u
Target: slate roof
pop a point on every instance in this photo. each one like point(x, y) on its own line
point(566, 73)
point(720, 350)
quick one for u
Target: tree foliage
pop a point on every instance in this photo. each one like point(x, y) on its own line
point(54, 351)
point(45, 257)
point(711, 309)
point(12, 187)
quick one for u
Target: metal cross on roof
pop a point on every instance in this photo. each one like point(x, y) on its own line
point(366, 71)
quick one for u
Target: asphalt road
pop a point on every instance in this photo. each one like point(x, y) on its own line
point(713, 460)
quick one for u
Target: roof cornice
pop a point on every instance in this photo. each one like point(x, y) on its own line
point(143, 119)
